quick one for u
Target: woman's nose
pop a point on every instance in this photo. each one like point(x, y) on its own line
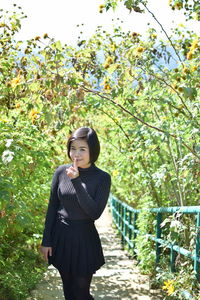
point(77, 153)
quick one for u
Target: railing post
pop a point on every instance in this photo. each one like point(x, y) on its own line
point(124, 221)
point(197, 248)
point(112, 207)
point(129, 229)
point(134, 233)
point(114, 204)
point(158, 236)
point(118, 216)
point(122, 226)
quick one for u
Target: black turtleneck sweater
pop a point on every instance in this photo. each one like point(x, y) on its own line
point(84, 197)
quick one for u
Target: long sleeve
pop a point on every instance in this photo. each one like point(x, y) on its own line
point(93, 207)
point(51, 211)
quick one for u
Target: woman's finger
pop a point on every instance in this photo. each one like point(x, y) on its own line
point(72, 172)
point(46, 251)
point(75, 164)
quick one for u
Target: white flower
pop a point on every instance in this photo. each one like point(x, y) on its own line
point(7, 156)
point(9, 142)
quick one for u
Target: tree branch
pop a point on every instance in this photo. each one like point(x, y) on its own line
point(169, 85)
point(122, 129)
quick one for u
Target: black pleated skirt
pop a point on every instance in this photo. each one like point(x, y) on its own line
point(76, 247)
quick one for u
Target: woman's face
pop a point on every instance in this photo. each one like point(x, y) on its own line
point(79, 150)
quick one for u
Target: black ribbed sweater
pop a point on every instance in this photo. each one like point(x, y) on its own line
point(84, 197)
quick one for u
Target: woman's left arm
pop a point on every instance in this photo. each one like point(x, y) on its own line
point(93, 207)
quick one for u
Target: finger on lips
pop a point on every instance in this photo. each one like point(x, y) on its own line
point(75, 164)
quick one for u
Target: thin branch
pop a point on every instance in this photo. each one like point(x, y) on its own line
point(122, 129)
point(164, 32)
point(169, 85)
point(171, 105)
point(128, 112)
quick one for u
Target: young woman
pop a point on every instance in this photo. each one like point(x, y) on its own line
point(79, 194)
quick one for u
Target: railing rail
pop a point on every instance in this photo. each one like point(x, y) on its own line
point(125, 219)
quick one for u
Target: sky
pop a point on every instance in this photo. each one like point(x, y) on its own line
point(59, 18)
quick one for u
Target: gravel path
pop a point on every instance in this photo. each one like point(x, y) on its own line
point(118, 279)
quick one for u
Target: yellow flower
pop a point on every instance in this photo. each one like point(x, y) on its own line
point(167, 284)
point(113, 47)
point(115, 173)
point(106, 84)
point(101, 7)
point(194, 44)
point(189, 55)
point(33, 112)
point(37, 38)
point(169, 287)
point(180, 89)
point(45, 36)
point(154, 35)
point(179, 5)
point(17, 105)
point(15, 81)
point(194, 68)
point(134, 34)
point(108, 62)
point(33, 115)
point(107, 87)
point(106, 66)
point(139, 50)
point(192, 49)
point(170, 290)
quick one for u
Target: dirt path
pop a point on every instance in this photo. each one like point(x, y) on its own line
point(118, 279)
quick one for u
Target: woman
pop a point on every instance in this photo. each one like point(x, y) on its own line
point(79, 194)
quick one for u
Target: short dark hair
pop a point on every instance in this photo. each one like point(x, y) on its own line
point(89, 135)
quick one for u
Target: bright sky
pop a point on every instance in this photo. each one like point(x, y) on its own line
point(59, 18)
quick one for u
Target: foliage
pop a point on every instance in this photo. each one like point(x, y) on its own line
point(140, 94)
point(174, 285)
point(26, 168)
point(145, 246)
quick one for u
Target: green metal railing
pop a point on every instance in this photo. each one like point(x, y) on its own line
point(125, 219)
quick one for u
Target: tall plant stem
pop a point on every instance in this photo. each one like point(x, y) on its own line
point(176, 168)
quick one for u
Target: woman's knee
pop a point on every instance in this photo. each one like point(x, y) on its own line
point(81, 288)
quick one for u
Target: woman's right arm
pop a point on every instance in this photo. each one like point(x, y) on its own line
point(51, 213)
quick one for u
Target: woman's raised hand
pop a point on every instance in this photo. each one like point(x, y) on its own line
point(73, 172)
